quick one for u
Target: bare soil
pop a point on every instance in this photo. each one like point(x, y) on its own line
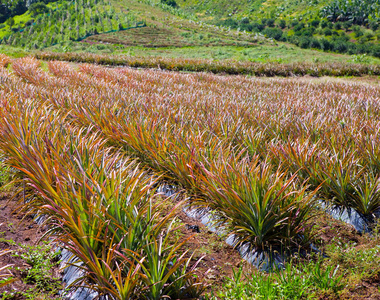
point(219, 260)
point(17, 229)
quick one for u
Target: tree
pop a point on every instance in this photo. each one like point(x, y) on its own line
point(4, 12)
point(270, 22)
point(171, 3)
point(18, 7)
point(37, 8)
point(275, 33)
point(11, 22)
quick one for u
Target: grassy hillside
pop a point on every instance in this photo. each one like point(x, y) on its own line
point(258, 31)
point(67, 21)
point(339, 26)
point(117, 22)
point(212, 9)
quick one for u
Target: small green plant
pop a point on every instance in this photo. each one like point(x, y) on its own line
point(5, 277)
point(360, 58)
point(362, 263)
point(307, 279)
point(41, 260)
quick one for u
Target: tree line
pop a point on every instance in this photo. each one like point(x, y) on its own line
point(11, 8)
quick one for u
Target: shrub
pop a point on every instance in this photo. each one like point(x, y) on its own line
point(244, 21)
point(315, 23)
point(307, 32)
point(282, 24)
point(325, 44)
point(337, 25)
point(294, 23)
point(340, 46)
point(375, 51)
point(258, 27)
point(314, 43)
point(270, 22)
point(304, 42)
point(275, 33)
point(327, 32)
point(171, 3)
point(374, 25)
point(37, 8)
point(246, 27)
point(347, 25)
point(344, 36)
point(324, 23)
point(29, 22)
point(299, 27)
point(229, 23)
point(358, 33)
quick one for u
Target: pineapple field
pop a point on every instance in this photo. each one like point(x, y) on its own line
point(286, 169)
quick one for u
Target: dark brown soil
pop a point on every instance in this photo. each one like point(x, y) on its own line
point(16, 230)
point(328, 229)
point(219, 259)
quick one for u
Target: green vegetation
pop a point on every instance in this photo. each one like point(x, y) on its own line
point(312, 279)
point(251, 156)
point(65, 21)
point(59, 25)
point(40, 260)
point(336, 26)
point(355, 12)
point(216, 66)
point(297, 281)
point(36, 271)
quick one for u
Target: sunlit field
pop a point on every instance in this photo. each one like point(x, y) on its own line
point(264, 156)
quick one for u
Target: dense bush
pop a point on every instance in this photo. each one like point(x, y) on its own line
point(282, 24)
point(270, 22)
point(38, 8)
point(327, 32)
point(11, 8)
point(275, 33)
point(172, 3)
point(315, 23)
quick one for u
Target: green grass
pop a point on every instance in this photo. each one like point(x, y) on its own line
point(281, 53)
point(254, 9)
point(13, 52)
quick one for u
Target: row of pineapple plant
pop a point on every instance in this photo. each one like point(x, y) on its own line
point(98, 203)
point(257, 152)
point(219, 66)
point(188, 151)
point(341, 149)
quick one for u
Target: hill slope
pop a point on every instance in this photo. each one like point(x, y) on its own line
point(116, 22)
point(118, 25)
point(341, 26)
